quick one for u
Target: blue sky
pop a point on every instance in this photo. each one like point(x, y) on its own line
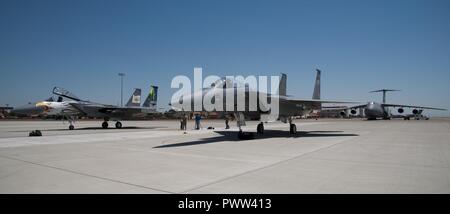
point(359, 45)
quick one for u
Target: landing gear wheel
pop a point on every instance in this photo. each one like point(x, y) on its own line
point(240, 135)
point(260, 128)
point(293, 129)
point(71, 127)
point(105, 125)
point(118, 125)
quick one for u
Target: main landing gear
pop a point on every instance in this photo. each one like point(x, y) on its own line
point(260, 128)
point(118, 125)
point(240, 120)
point(292, 128)
point(105, 124)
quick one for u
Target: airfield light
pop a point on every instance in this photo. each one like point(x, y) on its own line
point(121, 88)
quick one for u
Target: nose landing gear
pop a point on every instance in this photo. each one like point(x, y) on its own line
point(71, 122)
point(292, 126)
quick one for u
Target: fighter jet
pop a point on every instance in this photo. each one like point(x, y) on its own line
point(74, 107)
point(289, 108)
point(374, 110)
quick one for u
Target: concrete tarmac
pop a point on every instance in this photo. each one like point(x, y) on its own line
point(325, 156)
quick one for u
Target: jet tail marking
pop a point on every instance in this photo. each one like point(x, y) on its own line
point(135, 99)
point(152, 98)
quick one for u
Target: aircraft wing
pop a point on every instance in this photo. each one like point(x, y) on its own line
point(314, 101)
point(408, 106)
point(342, 108)
point(311, 103)
point(112, 109)
point(126, 109)
point(88, 109)
point(78, 107)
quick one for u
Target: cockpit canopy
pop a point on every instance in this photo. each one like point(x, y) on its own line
point(52, 99)
point(65, 93)
point(224, 83)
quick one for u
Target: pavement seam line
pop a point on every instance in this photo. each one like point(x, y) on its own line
point(85, 174)
point(263, 167)
point(380, 163)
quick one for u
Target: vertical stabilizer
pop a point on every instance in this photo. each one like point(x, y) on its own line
point(152, 98)
point(316, 93)
point(282, 86)
point(135, 99)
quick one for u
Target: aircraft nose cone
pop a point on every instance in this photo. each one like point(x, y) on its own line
point(369, 111)
point(372, 110)
point(30, 109)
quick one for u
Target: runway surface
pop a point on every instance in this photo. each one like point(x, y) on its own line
point(326, 156)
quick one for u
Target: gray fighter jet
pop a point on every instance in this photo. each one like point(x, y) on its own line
point(374, 110)
point(289, 108)
point(74, 107)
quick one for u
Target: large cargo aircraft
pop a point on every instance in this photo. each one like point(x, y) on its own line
point(374, 110)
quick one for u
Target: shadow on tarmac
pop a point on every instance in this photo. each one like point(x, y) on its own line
point(233, 136)
point(100, 128)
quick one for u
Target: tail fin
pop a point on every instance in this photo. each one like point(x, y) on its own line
point(152, 98)
point(282, 86)
point(316, 93)
point(135, 99)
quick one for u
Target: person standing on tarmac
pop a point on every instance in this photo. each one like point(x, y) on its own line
point(184, 122)
point(198, 118)
point(181, 123)
point(227, 120)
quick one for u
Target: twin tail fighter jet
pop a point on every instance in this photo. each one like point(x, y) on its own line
point(73, 107)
